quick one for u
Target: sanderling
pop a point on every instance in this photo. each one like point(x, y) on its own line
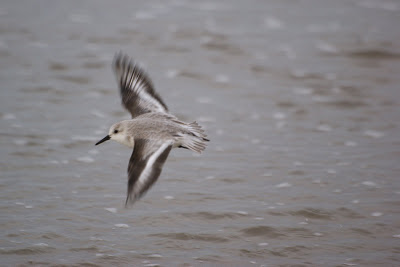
point(152, 132)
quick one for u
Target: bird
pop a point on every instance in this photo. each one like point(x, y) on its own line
point(152, 132)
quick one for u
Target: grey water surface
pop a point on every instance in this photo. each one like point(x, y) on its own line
point(300, 99)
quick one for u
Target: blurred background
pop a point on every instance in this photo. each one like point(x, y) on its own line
point(300, 99)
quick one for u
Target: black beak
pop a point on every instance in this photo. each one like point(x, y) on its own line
point(103, 140)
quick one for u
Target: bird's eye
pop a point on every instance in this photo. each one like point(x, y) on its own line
point(115, 131)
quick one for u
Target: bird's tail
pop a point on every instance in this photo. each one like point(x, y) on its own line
point(194, 139)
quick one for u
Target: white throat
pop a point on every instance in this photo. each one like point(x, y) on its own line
point(124, 140)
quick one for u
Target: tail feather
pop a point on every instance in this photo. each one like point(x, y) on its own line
point(195, 139)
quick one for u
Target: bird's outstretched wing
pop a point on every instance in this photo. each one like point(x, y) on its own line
point(137, 93)
point(145, 166)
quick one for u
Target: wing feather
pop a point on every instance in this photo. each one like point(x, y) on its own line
point(145, 168)
point(137, 92)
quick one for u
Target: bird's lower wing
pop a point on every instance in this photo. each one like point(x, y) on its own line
point(137, 92)
point(144, 168)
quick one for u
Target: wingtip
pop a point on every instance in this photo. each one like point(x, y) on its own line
point(130, 201)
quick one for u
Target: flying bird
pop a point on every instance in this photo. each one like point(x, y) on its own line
point(152, 132)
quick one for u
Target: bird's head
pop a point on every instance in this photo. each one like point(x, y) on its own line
point(119, 132)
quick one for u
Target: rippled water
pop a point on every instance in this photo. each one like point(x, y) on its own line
point(299, 98)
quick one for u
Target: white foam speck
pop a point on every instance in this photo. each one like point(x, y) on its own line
point(41, 245)
point(303, 91)
point(369, 183)
point(321, 99)
point(355, 201)
point(242, 212)
point(374, 134)
point(389, 6)
point(93, 238)
point(221, 78)
point(85, 159)
point(331, 171)
point(298, 163)
point(337, 191)
point(142, 15)
point(324, 128)
point(19, 203)
point(316, 181)
point(99, 254)
point(210, 177)
point(84, 138)
point(93, 152)
point(80, 18)
point(204, 100)
point(172, 73)
point(9, 116)
point(330, 76)
point(38, 44)
point(97, 113)
point(350, 143)
point(28, 207)
point(273, 23)
point(259, 218)
point(263, 244)
point(152, 265)
point(112, 210)
point(20, 142)
point(336, 90)
point(326, 47)
point(303, 222)
point(279, 116)
point(121, 225)
point(92, 95)
point(397, 236)
point(220, 132)
point(318, 234)
point(255, 141)
point(376, 214)
point(219, 149)
point(253, 262)
point(155, 256)
point(281, 185)
point(255, 116)
point(168, 197)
